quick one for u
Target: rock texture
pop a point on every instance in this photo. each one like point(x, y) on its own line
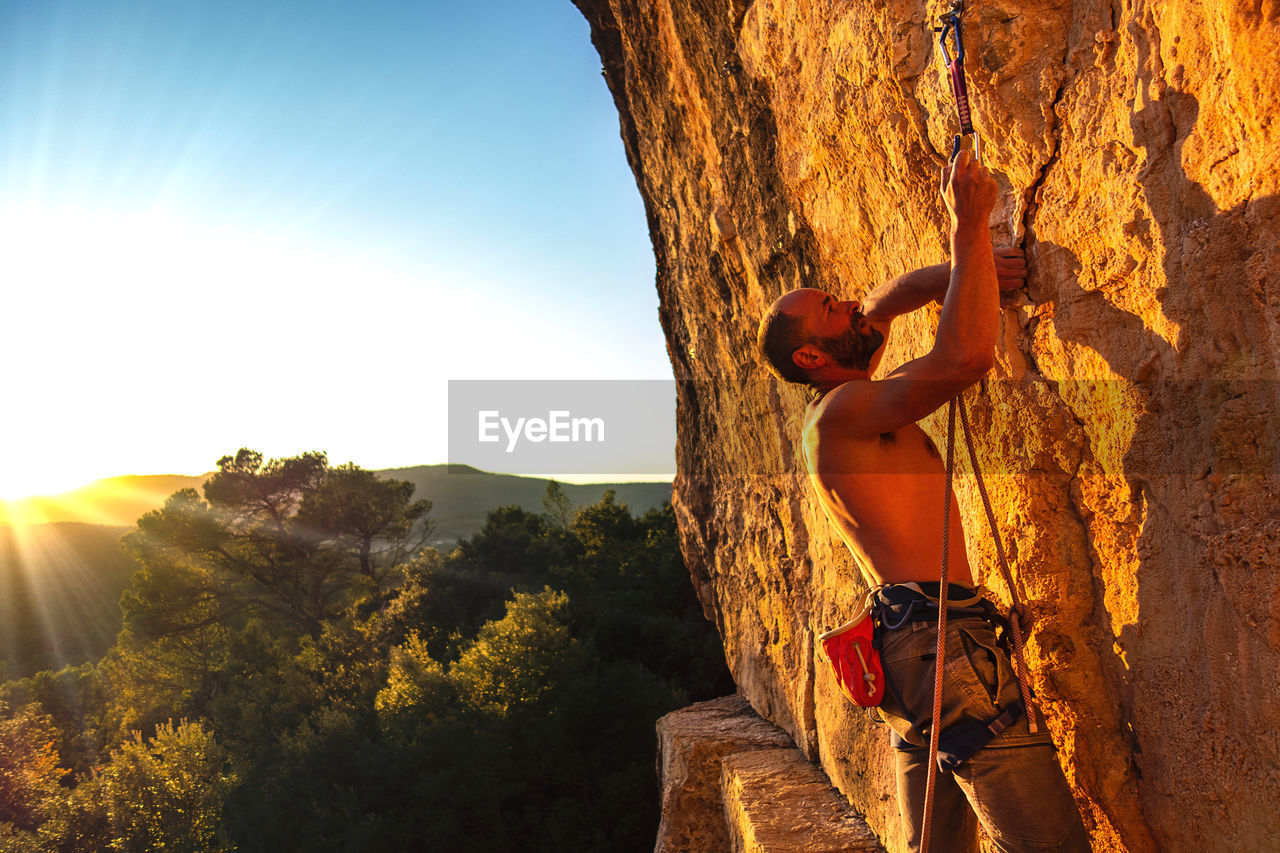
point(733, 782)
point(776, 801)
point(1129, 428)
point(692, 744)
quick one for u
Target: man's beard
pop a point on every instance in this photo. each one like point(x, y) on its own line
point(853, 350)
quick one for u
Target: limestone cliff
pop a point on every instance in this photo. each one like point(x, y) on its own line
point(1129, 426)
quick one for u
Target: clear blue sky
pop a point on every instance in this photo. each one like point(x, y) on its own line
point(286, 224)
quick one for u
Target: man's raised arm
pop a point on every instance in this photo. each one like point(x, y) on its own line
point(971, 309)
point(918, 288)
point(907, 292)
point(964, 348)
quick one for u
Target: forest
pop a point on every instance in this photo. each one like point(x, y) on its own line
point(299, 670)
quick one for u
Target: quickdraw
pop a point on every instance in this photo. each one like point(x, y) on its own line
point(951, 26)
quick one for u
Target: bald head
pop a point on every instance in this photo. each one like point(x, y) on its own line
point(784, 329)
point(834, 336)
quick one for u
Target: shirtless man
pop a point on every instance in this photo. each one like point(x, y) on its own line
point(881, 482)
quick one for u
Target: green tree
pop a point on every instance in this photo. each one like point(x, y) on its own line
point(559, 507)
point(75, 700)
point(418, 688)
point(444, 601)
point(166, 793)
point(517, 542)
point(500, 697)
point(151, 679)
point(290, 540)
point(29, 770)
point(608, 533)
point(355, 510)
point(517, 660)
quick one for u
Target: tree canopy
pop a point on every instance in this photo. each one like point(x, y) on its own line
point(290, 541)
point(298, 671)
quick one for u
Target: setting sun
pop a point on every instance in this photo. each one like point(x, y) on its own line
point(116, 501)
point(285, 242)
point(24, 484)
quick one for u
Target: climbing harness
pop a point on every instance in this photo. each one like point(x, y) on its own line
point(901, 604)
point(853, 649)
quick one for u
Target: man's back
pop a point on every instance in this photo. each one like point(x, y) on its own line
point(884, 496)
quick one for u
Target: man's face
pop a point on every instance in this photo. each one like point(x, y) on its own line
point(854, 349)
point(840, 329)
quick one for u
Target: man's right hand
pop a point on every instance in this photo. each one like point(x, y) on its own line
point(969, 191)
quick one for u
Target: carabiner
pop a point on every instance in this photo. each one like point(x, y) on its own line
point(951, 26)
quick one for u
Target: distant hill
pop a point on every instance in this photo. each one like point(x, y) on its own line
point(61, 580)
point(115, 501)
point(460, 496)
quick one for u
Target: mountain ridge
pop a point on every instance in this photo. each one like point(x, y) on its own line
point(460, 494)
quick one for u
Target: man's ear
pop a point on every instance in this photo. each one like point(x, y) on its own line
point(808, 357)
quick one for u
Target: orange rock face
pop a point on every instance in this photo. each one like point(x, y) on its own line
point(1130, 426)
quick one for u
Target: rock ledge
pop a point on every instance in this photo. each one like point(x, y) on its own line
point(732, 781)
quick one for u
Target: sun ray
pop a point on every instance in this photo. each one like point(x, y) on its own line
point(55, 609)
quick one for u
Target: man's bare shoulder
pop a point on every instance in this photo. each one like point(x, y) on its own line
point(838, 412)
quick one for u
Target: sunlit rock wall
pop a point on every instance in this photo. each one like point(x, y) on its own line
point(1129, 426)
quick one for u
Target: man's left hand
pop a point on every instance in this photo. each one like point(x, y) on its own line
point(1011, 267)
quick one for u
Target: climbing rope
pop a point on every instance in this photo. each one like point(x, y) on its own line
point(1015, 626)
point(1015, 610)
point(935, 726)
point(954, 65)
point(951, 26)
